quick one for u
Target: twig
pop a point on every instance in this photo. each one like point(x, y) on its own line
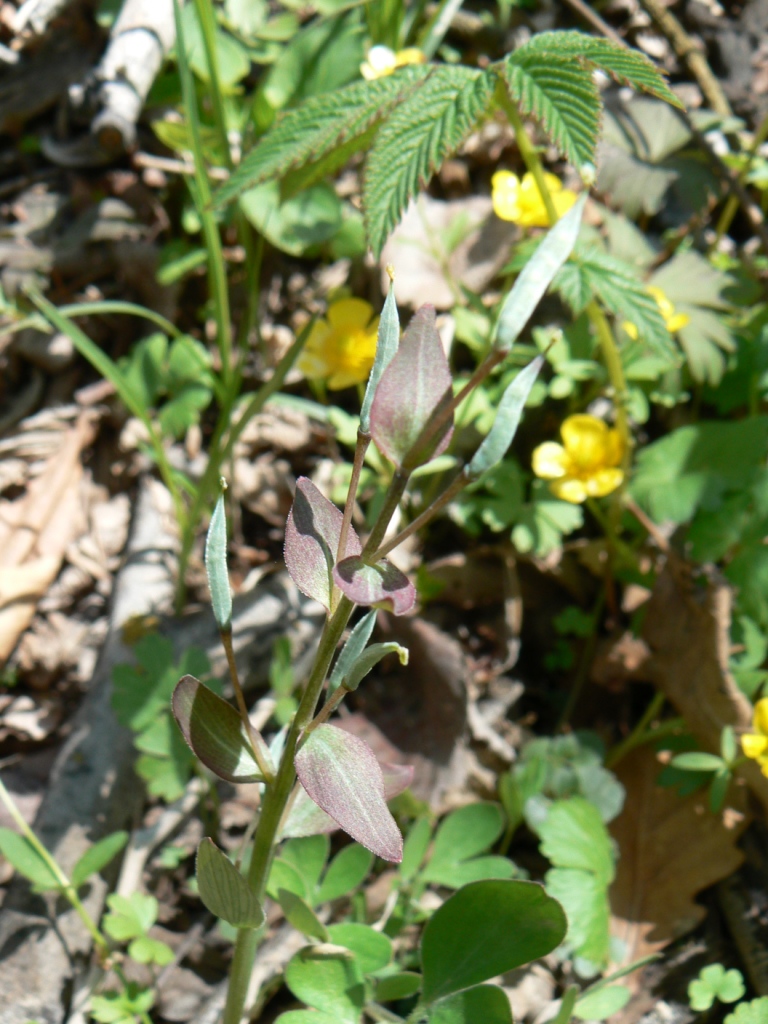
point(689, 51)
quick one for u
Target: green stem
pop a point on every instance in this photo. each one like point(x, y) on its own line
point(567, 1004)
point(273, 807)
point(202, 195)
point(733, 202)
point(615, 370)
point(456, 486)
point(207, 19)
point(391, 501)
point(67, 889)
point(361, 447)
point(640, 733)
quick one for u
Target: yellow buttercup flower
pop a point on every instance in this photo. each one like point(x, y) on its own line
point(520, 200)
point(382, 61)
point(674, 321)
point(588, 462)
point(755, 744)
point(340, 350)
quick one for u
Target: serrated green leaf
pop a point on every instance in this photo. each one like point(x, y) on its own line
point(593, 273)
point(317, 127)
point(97, 857)
point(559, 93)
point(629, 67)
point(430, 122)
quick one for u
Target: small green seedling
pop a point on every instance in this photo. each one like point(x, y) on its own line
point(715, 982)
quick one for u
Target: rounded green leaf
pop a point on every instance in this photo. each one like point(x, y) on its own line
point(602, 1002)
point(302, 916)
point(348, 869)
point(697, 761)
point(486, 1003)
point(382, 584)
point(373, 949)
point(216, 566)
point(412, 387)
point(485, 929)
point(223, 889)
point(22, 855)
point(214, 730)
point(755, 1012)
point(97, 857)
point(397, 986)
point(312, 534)
point(328, 979)
point(340, 773)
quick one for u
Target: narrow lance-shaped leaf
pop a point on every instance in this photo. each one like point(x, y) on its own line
point(537, 275)
point(381, 584)
point(504, 428)
point(369, 659)
point(305, 818)
point(386, 347)
point(223, 889)
point(19, 852)
point(216, 567)
point(97, 857)
point(341, 774)
point(312, 535)
point(214, 731)
point(412, 387)
point(352, 649)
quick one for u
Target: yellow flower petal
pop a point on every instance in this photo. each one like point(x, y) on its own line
point(381, 62)
point(677, 322)
point(754, 746)
point(350, 313)
point(550, 461)
point(760, 717)
point(631, 330)
point(504, 196)
point(603, 482)
point(570, 489)
point(410, 55)
point(587, 441)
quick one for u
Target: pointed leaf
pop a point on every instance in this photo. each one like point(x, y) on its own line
point(485, 929)
point(216, 566)
point(22, 855)
point(348, 869)
point(494, 447)
point(341, 774)
point(486, 1003)
point(352, 649)
point(302, 916)
point(223, 889)
point(412, 387)
point(97, 857)
point(382, 585)
point(537, 275)
point(312, 535)
point(305, 818)
point(386, 346)
point(214, 731)
point(369, 659)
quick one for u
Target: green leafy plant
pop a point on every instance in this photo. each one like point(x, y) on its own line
point(715, 982)
point(320, 777)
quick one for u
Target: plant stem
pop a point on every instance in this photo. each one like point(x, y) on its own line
point(639, 734)
point(256, 740)
point(273, 806)
point(207, 19)
point(327, 709)
point(391, 501)
point(456, 486)
point(67, 889)
point(732, 204)
point(567, 1004)
point(361, 447)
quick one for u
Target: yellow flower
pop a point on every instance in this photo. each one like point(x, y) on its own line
point(340, 350)
point(755, 744)
point(588, 462)
point(382, 61)
point(521, 202)
point(674, 321)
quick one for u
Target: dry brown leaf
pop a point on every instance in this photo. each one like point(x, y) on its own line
point(671, 848)
point(36, 529)
point(687, 631)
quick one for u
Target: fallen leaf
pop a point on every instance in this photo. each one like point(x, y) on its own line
point(671, 847)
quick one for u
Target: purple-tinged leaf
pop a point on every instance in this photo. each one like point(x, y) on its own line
point(411, 388)
point(341, 774)
point(312, 535)
point(382, 584)
point(214, 731)
point(305, 818)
